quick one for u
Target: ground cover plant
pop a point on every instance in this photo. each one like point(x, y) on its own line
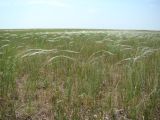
point(79, 75)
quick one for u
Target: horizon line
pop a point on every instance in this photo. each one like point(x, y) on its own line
point(77, 28)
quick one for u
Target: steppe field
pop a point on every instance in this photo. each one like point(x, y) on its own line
point(79, 75)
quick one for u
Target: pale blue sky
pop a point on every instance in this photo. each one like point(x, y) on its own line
point(109, 14)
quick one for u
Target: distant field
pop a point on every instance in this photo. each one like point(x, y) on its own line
point(79, 75)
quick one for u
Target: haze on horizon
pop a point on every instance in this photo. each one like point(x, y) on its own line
point(98, 14)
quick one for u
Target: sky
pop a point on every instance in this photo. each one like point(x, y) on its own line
point(99, 14)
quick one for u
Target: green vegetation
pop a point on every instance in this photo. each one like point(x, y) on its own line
point(79, 75)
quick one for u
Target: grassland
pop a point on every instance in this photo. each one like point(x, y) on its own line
point(79, 75)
